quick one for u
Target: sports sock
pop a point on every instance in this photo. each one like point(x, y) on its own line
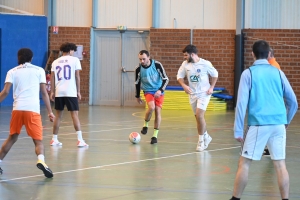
point(201, 137)
point(234, 198)
point(146, 123)
point(54, 137)
point(155, 132)
point(41, 157)
point(79, 135)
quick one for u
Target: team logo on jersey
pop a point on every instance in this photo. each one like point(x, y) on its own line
point(194, 78)
point(198, 70)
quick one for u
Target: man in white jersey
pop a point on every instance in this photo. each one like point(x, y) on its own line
point(197, 71)
point(27, 80)
point(65, 90)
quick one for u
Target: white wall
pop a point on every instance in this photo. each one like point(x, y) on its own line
point(72, 13)
point(197, 14)
point(130, 13)
point(273, 14)
point(32, 6)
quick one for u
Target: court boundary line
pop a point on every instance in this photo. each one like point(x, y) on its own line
point(119, 164)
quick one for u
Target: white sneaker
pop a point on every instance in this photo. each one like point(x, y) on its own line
point(82, 143)
point(200, 146)
point(207, 140)
point(55, 143)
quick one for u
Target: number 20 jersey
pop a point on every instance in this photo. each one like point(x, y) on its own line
point(64, 71)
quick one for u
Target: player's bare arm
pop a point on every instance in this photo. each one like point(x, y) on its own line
point(186, 88)
point(77, 77)
point(5, 91)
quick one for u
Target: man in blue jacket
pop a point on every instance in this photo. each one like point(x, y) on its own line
point(267, 119)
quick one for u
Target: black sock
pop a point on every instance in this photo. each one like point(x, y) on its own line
point(234, 198)
point(285, 199)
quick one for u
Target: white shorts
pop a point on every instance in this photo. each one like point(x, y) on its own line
point(257, 137)
point(199, 102)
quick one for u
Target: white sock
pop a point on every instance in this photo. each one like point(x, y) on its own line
point(205, 134)
point(54, 137)
point(79, 135)
point(201, 137)
point(41, 157)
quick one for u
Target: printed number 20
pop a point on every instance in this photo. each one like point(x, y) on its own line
point(66, 70)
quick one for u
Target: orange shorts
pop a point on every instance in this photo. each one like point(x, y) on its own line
point(31, 120)
point(158, 101)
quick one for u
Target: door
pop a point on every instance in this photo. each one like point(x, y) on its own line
point(114, 60)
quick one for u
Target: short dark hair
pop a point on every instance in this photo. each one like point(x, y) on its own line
point(144, 52)
point(24, 55)
point(65, 47)
point(261, 49)
point(190, 49)
point(73, 46)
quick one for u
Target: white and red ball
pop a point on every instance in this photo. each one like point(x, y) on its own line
point(134, 137)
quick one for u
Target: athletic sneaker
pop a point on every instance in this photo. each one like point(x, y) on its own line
point(153, 140)
point(144, 130)
point(207, 140)
point(42, 166)
point(82, 143)
point(1, 171)
point(200, 146)
point(266, 152)
point(55, 143)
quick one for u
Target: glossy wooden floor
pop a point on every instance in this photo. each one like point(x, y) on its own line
point(113, 168)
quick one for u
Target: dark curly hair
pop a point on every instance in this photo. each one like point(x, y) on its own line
point(24, 55)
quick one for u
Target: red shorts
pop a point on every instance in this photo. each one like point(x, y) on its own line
point(31, 120)
point(158, 101)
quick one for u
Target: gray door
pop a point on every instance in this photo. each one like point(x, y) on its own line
point(115, 58)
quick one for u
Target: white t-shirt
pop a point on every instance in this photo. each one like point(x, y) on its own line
point(197, 75)
point(26, 80)
point(65, 82)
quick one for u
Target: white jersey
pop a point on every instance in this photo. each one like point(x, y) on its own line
point(26, 80)
point(65, 81)
point(197, 75)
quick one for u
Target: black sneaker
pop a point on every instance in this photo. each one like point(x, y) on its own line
point(266, 152)
point(1, 171)
point(144, 130)
point(153, 140)
point(46, 170)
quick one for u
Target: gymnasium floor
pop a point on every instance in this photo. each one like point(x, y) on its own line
point(113, 168)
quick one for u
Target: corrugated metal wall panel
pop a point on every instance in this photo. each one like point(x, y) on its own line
point(278, 14)
point(76, 13)
point(198, 14)
point(130, 13)
point(32, 6)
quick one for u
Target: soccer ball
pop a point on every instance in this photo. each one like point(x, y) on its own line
point(134, 137)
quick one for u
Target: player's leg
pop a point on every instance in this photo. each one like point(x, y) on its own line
point(34, 128)
point(73, 108)
point(59, 108)
point(282, 178)
point(8, 143)
point(151, 107)
point(16, 124)
point(241, 177)
point(201, 127)
point(158, 107)
point(277, 147)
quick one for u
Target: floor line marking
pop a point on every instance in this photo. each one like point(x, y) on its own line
point(123, 163)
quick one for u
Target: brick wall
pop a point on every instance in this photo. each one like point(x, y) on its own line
point(216, 46)
point(286, 45)
point(80, 36)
